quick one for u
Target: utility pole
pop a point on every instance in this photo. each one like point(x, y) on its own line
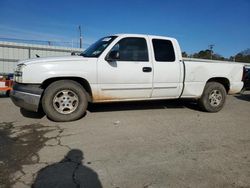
point(80, 32)
point(211, 46)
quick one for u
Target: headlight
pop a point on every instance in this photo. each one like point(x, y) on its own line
point(19, 73)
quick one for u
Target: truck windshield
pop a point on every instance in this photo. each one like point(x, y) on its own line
point(96, 49)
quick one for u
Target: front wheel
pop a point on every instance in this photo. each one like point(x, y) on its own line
point(213, 97)
point(64, 100)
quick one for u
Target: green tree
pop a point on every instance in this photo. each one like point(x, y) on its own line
point(242, 58)
point(218, 57)
point(184, 54)
point(203, 54)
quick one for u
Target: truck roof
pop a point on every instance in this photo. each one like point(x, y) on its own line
point(143, 35)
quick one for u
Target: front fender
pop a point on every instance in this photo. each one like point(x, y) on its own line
point(39, 72)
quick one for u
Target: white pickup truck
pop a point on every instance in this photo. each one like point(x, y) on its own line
point(122, 67)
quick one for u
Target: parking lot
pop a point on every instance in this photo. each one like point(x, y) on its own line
point(128, 145)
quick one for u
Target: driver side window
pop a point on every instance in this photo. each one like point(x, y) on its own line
point(132, 49)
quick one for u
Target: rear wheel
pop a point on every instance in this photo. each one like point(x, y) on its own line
point(64, 100)
point(213, 97)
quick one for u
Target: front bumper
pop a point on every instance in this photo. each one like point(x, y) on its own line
point(26, 96)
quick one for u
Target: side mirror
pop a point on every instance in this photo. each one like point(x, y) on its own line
point(113, 56)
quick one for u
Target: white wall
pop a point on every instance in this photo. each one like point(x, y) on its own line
point(11, 53)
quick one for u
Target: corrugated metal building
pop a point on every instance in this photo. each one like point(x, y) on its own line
point(11, 53)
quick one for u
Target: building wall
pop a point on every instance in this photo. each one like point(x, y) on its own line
point(11, 53)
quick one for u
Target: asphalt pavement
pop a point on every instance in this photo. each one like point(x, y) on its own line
point(155, 144)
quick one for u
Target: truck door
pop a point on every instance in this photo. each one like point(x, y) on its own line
point(167, 79)
point(130, 75)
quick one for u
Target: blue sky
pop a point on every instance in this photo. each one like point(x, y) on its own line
point(195, 23)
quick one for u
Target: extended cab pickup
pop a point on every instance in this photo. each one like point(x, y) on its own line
point(122, 67)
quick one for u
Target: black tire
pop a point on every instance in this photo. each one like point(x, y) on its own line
point(213, 97)
point(61, 87)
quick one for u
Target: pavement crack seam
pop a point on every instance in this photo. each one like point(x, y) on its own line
point(58, 138)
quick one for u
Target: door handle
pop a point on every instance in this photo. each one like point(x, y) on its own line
point(146, 69)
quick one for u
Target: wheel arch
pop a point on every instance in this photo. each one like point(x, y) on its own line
point(84, 83)
point(222, 80)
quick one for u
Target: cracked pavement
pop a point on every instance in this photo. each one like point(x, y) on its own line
point(124, 145)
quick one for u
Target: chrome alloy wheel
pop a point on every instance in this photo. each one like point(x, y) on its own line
point(215, 98)
point(65, 101)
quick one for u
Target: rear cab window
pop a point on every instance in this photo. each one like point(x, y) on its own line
point(163, 50)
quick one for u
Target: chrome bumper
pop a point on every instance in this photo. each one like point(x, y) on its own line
point(26, 96)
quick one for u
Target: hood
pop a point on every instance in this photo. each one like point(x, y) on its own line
point(53, 59)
